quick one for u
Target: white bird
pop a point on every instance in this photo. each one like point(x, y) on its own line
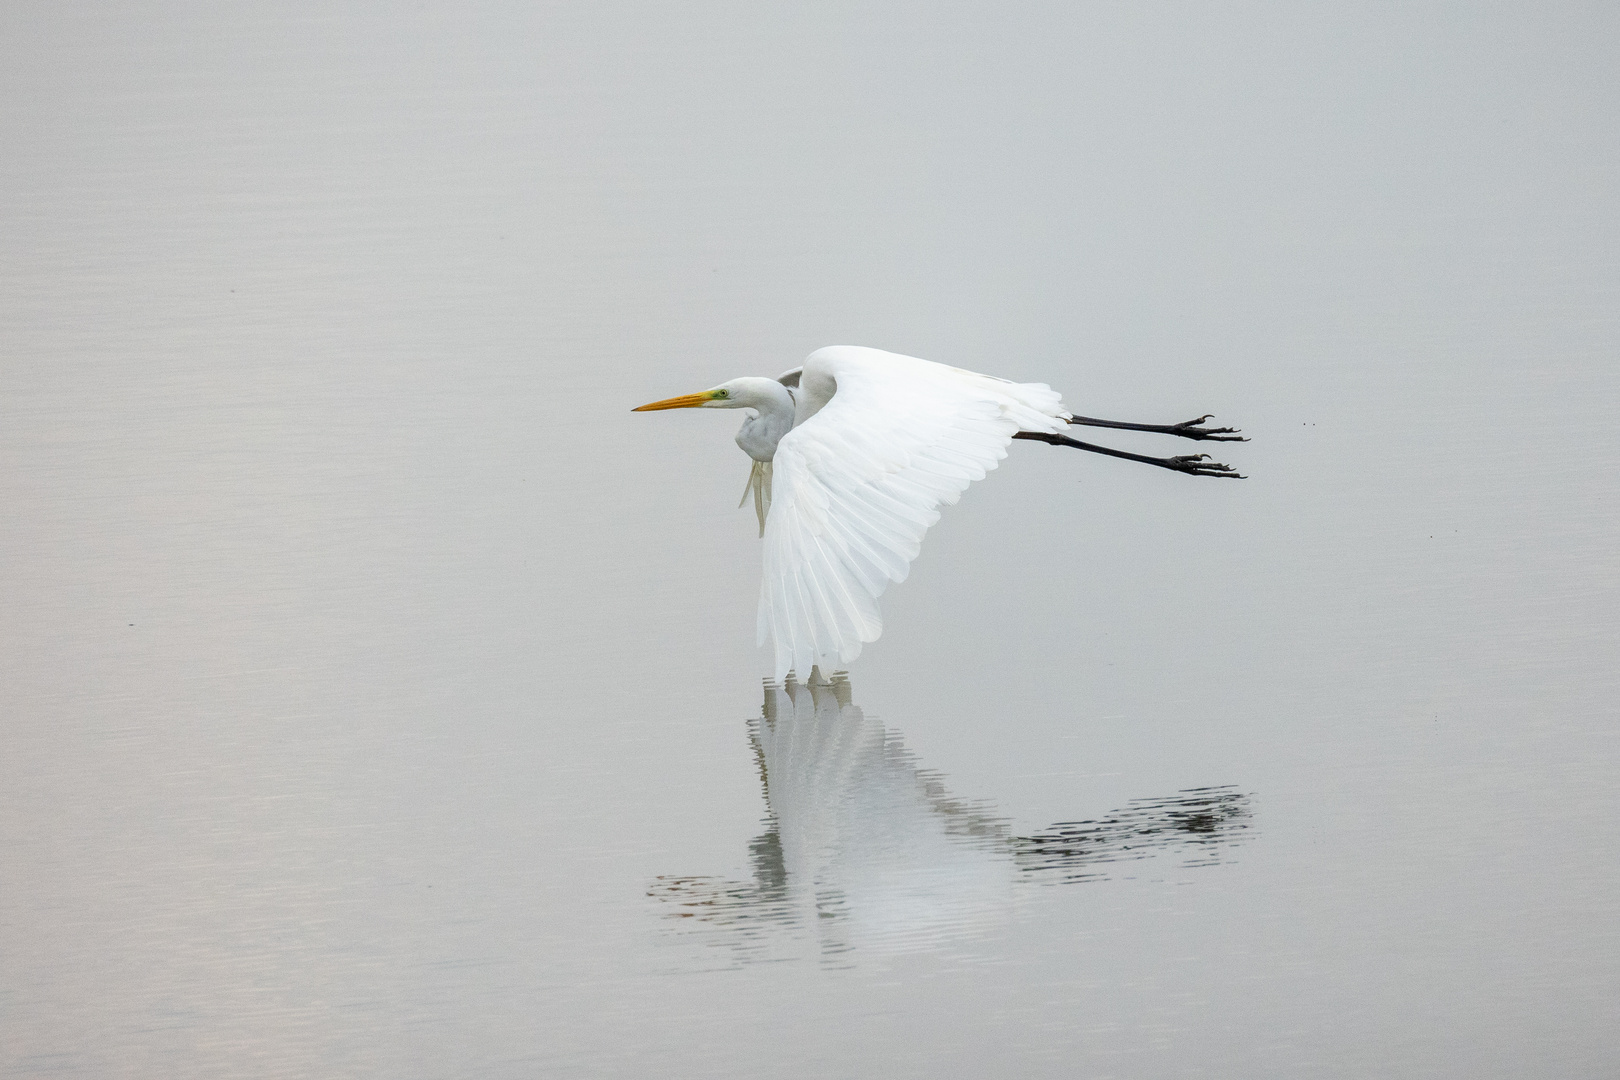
point(865, 446)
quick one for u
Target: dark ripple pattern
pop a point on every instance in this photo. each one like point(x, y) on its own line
point(864, 848)
point(1204, 822)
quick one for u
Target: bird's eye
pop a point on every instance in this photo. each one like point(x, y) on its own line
point(722, 393)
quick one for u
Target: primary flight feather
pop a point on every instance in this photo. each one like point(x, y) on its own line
point(854, 453)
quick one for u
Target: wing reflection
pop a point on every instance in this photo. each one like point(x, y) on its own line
point(864, 848)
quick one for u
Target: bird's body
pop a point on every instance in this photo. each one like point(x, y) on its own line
point(879, 443)
point(860, 448)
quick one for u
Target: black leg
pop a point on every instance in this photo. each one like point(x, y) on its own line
point(1193, 464)
point(1187, 429)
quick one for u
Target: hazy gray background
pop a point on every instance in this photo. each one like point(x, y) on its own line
point(369, 670)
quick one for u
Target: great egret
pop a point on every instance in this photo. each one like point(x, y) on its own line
point(870, 444)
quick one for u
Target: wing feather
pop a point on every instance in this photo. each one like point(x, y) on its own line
point(859, 483)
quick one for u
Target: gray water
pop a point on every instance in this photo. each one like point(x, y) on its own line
point(380, 696)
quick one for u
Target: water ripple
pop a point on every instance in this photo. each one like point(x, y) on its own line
point(865, 850)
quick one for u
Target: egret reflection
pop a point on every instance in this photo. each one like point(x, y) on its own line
point(864, 849)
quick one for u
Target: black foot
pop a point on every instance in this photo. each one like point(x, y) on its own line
point(1201, 465)
point(1193, 429)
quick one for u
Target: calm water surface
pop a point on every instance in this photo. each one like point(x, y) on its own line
point(379, 694)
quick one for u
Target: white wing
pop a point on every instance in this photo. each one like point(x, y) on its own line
point(859, 483)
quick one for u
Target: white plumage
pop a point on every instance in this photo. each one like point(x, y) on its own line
point(879, 442)
point(860, 447)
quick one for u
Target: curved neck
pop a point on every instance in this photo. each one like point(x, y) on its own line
point(774, 404)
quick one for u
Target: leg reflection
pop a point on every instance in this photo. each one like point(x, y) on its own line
point(864, 849)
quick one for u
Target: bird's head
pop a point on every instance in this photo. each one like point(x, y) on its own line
point(746, 393)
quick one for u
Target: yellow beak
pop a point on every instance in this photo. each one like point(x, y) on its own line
point(685, 401)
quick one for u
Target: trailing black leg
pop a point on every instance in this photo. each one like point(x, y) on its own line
point(1187, 429)
point(1192, 464)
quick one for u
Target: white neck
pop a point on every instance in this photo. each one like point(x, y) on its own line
point(773, 406)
